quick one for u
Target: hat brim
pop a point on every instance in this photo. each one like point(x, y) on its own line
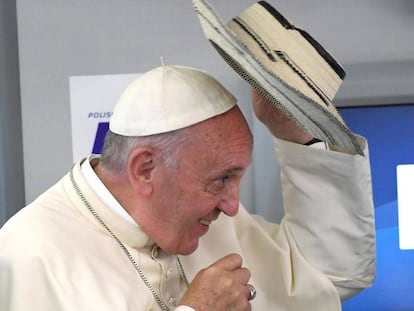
point(303, 93)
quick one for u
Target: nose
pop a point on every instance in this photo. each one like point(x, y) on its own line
point(229, 204)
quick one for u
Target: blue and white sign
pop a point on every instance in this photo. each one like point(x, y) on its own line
point(92, 99)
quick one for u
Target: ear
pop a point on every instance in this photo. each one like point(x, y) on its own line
point(141, 166)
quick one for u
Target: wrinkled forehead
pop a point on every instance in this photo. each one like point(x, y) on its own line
point(227, 134)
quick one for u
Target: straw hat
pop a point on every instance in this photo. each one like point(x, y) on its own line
point(285, 64)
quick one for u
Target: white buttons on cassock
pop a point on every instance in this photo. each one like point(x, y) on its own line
point(172, 301)
point(169, 272)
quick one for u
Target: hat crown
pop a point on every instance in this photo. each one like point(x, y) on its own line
point(168, 98)
point(284, 64)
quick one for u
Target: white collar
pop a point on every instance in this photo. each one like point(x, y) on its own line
point(97, 185)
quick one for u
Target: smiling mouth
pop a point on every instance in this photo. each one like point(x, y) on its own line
point(205, 222)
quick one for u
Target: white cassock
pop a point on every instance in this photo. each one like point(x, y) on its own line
point(56, 255)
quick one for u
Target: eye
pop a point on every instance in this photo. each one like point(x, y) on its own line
point(218, 185)
point(223, 180)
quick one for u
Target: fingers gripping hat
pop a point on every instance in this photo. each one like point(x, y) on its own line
point(168, 98)
point(285, 64)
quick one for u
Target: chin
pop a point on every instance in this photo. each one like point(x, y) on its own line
point(183, 247)
point(187, 249)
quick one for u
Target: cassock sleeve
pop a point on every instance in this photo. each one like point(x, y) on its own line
point(329, 213)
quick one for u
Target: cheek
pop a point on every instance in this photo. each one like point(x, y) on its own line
point(181, 227)
point(183, 201)
point(183, 198)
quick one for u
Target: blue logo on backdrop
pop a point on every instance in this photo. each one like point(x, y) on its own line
point(103, 127)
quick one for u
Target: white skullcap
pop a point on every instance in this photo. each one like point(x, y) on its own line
point(168, 98)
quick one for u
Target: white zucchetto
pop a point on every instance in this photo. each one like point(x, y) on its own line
point(168, 98)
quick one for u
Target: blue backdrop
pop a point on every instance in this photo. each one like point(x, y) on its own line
point(390, 131)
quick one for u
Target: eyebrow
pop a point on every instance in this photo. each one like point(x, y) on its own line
point(231, 171)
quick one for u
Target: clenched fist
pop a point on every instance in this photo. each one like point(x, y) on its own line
point(221, 286)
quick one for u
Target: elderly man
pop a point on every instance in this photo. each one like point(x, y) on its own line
point(155, 223)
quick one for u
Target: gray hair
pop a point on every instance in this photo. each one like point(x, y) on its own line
point(117, 148)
